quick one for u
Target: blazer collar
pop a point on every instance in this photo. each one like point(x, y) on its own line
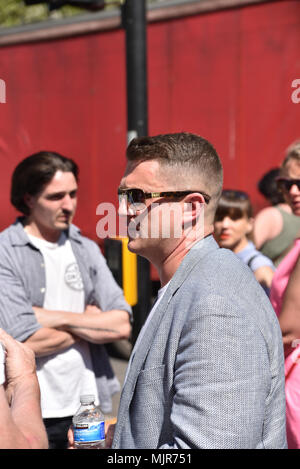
point(194, 256)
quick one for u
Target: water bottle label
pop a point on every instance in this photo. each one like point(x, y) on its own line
point(89, 432)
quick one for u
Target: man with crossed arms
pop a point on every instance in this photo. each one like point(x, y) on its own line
point(57, 294)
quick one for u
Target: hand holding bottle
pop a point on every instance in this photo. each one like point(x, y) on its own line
point(90, 430)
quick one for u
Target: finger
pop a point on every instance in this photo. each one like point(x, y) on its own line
point(109, 435)
point(71, 438)
point(6, 339)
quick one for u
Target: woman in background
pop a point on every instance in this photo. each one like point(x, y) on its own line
point(276, 227)
point(233, 227)
point(285, 298)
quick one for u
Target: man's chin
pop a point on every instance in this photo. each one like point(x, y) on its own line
point(132, 245)
point(63, 224)
point(136, 245)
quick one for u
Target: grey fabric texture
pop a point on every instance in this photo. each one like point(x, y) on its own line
point(209, 372)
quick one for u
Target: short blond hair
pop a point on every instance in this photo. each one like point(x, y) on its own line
point(292, 153)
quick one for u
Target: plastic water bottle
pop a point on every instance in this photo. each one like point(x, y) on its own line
point(88, 423)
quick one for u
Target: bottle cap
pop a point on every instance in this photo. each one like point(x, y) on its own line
point(87, 399)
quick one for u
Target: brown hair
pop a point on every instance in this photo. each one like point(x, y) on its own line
point(189, 152)
point(34, 172)
point(234, 204)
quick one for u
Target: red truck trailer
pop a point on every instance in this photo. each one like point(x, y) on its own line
point(228, 70)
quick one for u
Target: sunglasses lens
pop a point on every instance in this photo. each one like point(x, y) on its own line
point(286, 184)
point(296, 182)
point(134, 196)
point(138, 196)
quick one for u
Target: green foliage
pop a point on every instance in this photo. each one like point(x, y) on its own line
point(15, 12)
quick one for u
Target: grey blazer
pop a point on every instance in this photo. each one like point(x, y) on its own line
point(209, 371)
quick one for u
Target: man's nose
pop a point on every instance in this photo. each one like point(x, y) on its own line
point(125, 209)
point(294, 189)
point(68, 203)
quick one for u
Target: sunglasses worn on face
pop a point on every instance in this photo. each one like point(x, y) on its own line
point(285, 184)
point(138, 196)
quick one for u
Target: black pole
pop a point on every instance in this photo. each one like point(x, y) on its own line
point(134, 23)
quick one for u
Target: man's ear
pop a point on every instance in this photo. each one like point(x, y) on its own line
point(28, 200)
point(192, 209)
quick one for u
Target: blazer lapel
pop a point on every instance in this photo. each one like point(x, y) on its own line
point(191, 259)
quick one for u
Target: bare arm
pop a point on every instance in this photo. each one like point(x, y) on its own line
point(289, 318)
point(21, 400)
point(93, 325)
point(267, 225)
point(264, 275)
point(46, 341)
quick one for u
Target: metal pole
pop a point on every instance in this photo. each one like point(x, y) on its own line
point(134, 23)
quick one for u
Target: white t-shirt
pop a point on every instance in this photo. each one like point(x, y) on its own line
point(63, 376)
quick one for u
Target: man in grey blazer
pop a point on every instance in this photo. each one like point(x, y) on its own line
point(207, 370)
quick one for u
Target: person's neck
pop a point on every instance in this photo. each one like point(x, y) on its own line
point(170, 262)
point(52, 236)
point(241, 245)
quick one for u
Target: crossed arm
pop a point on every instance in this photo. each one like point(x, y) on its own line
point(47, 332)
point(61, 329)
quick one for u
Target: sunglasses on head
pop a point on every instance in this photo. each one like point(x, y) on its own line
point(233, 194)
point(285, 184)
point(138, 196)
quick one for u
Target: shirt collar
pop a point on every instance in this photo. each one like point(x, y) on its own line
point(19, 236)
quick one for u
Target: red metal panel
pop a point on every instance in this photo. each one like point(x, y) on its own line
point(227, 75)
point(67, 96)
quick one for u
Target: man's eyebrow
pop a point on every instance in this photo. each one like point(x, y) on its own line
point(56, 194)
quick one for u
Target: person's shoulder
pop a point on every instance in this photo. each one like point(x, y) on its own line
point(5, 235)
point(220, 268)
point(88, 243)
point(224, 279)
point(260, 260)
point(269, 214)
point(9, 238)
